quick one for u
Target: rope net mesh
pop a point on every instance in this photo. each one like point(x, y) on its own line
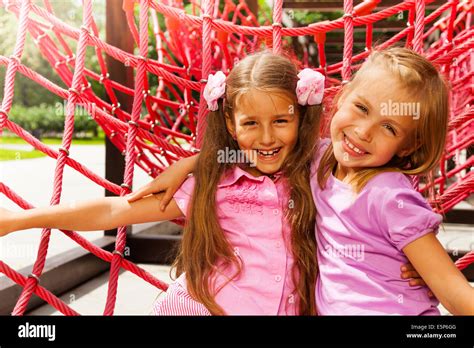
point(167, 124)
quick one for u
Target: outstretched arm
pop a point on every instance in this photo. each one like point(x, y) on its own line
point(169, 181)
point(98, 214)
point(435, 266)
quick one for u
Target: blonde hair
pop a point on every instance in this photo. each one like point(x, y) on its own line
point(204, 242)
point(420, 78)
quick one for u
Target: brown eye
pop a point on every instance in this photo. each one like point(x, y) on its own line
point(390, 128)
point(362, 108)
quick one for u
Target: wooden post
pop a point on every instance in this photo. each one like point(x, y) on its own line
point(117, 34)
point(253, 6)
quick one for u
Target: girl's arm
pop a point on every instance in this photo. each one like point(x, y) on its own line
point(98, 214)
point(438, 271)
point(169, 181)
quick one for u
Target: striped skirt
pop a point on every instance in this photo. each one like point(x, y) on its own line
point(177, 301)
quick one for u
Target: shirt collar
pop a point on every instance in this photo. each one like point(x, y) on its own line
point(231, 176)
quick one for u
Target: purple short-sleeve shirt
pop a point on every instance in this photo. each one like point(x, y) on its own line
point(360, 240)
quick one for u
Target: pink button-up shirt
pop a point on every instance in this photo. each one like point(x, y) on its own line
point(250, 213)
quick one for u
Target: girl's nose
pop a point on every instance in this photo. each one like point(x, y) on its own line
point(267, 137)
point(364, 132)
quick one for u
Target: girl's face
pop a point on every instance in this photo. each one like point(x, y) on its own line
point(265, 126)
point(374, 122)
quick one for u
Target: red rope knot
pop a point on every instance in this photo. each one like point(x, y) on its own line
point(16, 59)
point(205, 15)
point(71, 57)
point(146, 93)
point(58, 63)
point(34, 276)
point(3, 112)
point(145, 59)
point(133, 123)
point(39, 38)
point(277, 25)
point(64, 150)
point(75, 91)
point(116, 252)
point(349, 15)
point(114, 107)
point(87, 30)
point(126, 186)
point(104, 77)
point(188, 70)
point(84, 87)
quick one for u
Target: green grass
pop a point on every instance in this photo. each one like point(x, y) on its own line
point(54, 141)
point(15, 155)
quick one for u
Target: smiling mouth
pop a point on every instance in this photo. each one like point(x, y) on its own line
point(353, 147)
point(268, 153)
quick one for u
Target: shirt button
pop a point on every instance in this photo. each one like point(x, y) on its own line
point(278, 278)
point(276, 211)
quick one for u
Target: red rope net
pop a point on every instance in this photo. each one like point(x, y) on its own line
point(193, 46)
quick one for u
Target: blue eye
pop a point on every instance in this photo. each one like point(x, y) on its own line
point(390, 128)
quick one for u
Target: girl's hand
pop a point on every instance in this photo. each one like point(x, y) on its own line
point(169, 181)
point(409, 272)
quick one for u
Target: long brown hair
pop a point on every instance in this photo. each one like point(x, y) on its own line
point(204, 243)
point(421, 79)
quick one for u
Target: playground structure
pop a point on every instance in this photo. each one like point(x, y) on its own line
point(195, 44)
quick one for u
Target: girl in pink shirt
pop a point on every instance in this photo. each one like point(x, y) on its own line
point(256, 155)
point(369, 218)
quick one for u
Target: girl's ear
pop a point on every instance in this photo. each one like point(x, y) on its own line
point(230, 125)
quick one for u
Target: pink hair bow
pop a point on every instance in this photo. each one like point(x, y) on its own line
point(215, 89)
point(310, 87)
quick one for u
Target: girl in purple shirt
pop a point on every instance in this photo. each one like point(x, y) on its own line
point(388, 122)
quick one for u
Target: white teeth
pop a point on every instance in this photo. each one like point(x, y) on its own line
point(269, 153)
point(356, 149)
